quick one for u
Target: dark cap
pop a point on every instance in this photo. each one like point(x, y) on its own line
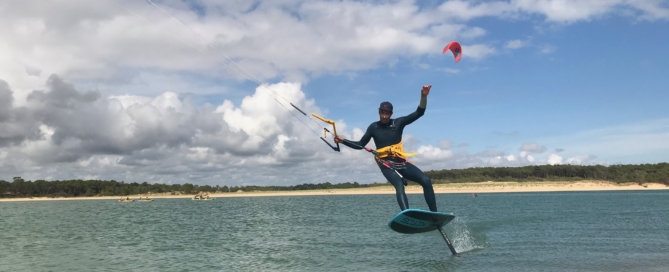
point(386, 106)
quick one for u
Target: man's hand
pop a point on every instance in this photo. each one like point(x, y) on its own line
point(426, 90)
point(338, 139)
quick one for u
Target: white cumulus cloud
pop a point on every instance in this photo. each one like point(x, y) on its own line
point(554, 159)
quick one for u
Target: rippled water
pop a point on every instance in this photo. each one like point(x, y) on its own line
point(587, 231)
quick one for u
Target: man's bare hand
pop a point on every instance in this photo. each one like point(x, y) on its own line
point(426, 90)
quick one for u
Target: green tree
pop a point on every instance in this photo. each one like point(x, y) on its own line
point(187, 188)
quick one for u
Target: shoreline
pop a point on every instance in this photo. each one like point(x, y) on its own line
point(450, 188)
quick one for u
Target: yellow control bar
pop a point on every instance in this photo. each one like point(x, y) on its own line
point(331, 122)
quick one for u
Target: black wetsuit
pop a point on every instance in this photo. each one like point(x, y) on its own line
point(390, 134)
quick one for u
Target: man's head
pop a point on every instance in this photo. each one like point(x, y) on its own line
point(385, 111)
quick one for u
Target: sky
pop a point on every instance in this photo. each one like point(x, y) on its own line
point(168, 91)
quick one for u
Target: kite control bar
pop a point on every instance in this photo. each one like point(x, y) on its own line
point(325, 130)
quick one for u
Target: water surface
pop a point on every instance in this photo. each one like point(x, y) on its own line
point(574, 231)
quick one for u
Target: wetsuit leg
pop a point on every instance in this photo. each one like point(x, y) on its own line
point(412, 173)
point(396, 181)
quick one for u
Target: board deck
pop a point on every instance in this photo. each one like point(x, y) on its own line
point(418, 221)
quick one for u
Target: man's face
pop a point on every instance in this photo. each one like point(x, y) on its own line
point(384, 116)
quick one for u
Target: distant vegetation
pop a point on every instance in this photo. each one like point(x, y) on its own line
point(644, 173)
point(68, 188)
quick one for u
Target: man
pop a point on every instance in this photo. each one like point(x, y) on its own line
point(387, 135)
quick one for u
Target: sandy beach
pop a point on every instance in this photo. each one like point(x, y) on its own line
point(479, 187)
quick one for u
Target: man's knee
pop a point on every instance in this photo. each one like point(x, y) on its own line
point(426, 181)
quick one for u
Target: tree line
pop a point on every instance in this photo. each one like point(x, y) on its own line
point(69, 188)
point(643, 173)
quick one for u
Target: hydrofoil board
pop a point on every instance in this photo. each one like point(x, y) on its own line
point(418, 221)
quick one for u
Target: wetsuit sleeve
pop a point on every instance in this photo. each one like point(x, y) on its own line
point(405, 120)
point(363, 141)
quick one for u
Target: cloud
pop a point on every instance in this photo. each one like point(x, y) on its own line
point(547, 49)
point(442, 157)
point(31, 71)
point(168, 139)
point(530, 159)
point(16, 123)
point(570, 11)
point(477, 51)
point(649, 139)
point(532, 148)
point(516, 44)
point(465, 10)
point(652, 10)
point(291, 41)
point(582, 160)
point(434, 153)
point(558, 11)
point(445, 144)
point(554, 159)
point(103, 45)
point(451, 71)
point(64, 133)
point(462, 145)
point(642, 140)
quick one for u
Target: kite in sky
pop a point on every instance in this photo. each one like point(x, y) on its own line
point(455, 48)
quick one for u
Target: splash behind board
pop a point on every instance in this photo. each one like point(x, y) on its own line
point(418, 221)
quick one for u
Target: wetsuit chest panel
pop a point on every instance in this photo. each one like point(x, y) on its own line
point(385, 135)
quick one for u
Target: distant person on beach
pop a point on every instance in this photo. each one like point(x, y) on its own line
point(387, 135)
